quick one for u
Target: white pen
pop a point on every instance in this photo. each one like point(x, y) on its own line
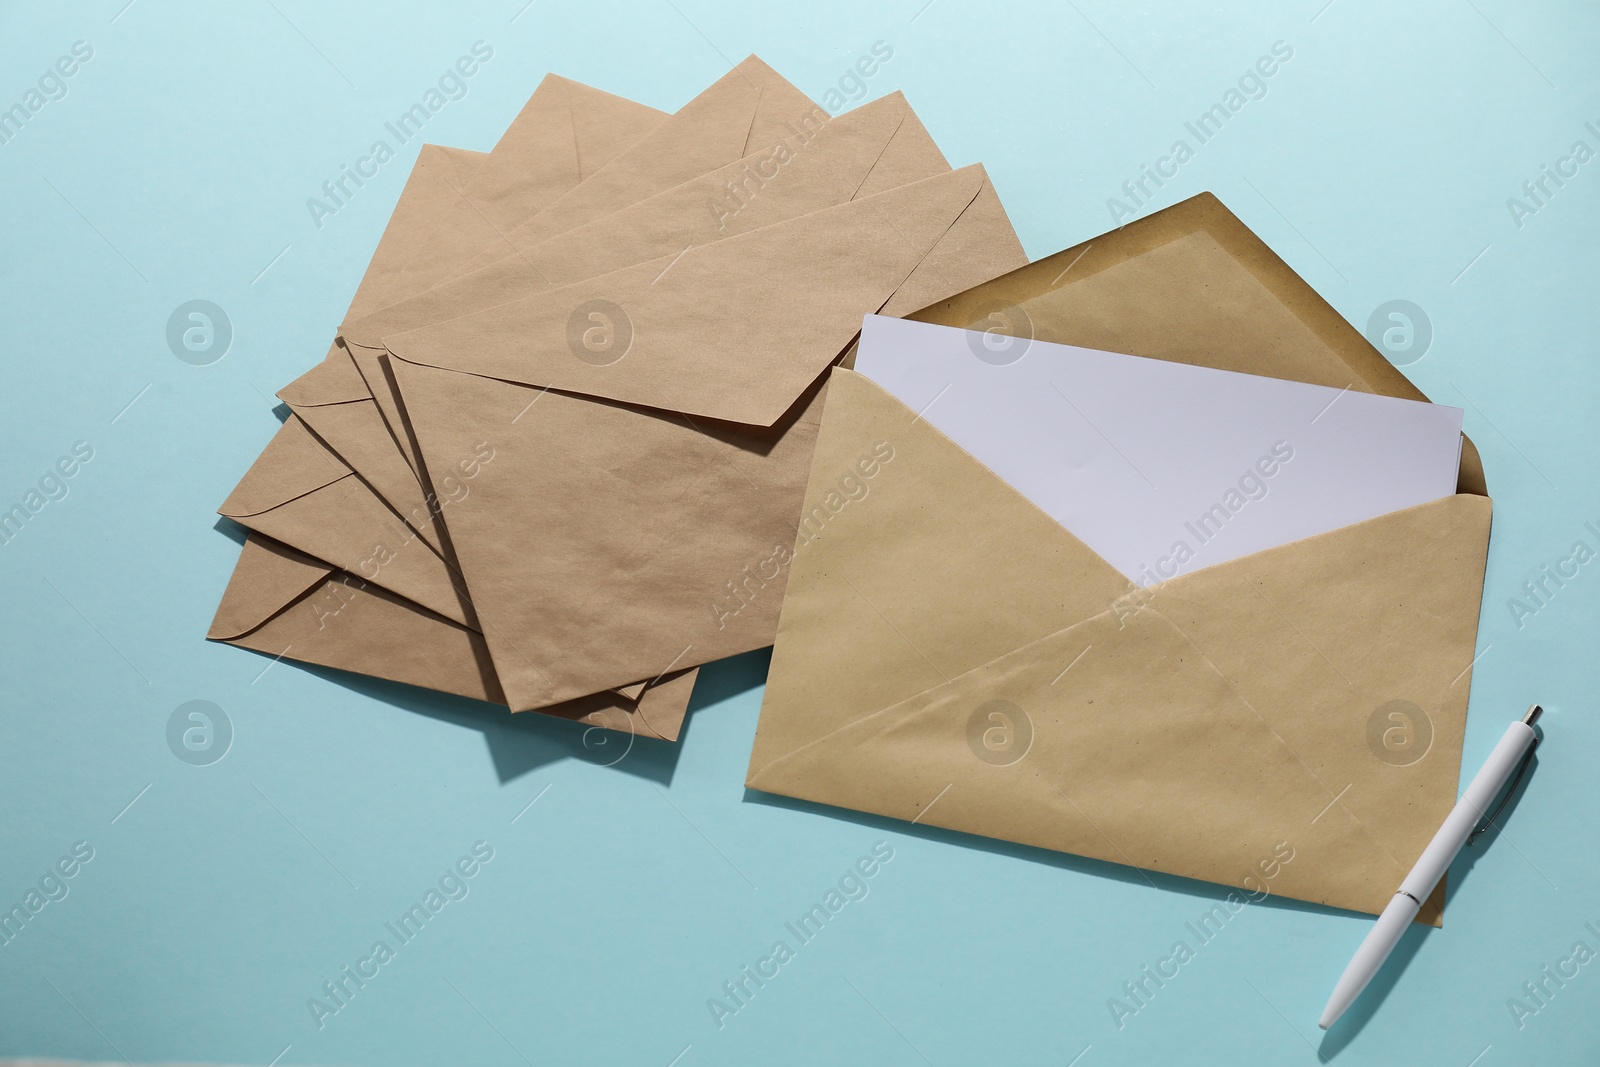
point(1507, 756)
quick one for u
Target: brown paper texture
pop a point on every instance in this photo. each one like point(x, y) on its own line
point(285, 604)
point(1197, 727)
point(663, 488)
point(806, 172)
point(451, 205)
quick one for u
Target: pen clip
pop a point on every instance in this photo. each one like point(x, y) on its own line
point(1510, 792)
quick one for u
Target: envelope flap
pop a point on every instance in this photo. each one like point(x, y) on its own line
point(1357, 646)
point(292, 465)
point(799, 175)
point(750, 107)
point(267, 579)
point(333, 381)
point(563, 134)
point(1190, 283)
point(736, 330)
point(914, 563)
point(605, 125)
point(464, 164)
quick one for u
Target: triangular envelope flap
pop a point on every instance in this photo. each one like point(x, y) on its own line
point(1140, 753)
point(605, 125)
point(913, 563)
point(910, 155)
point(743, 110)
point(565, 132)
point(292, 465)
point(464, 163)
point(268, 577)
point(350, 625)
point(345, 623)
point(333, 381)
point(1189, 283)
point(735, 331)
point(663, 704)
point(809, 174)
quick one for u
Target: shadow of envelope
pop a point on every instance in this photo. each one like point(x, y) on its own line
point(948, 653)
point(655, 485)
point(285, 604)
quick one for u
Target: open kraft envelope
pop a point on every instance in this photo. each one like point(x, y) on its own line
point(647, 492)
point(949, 654)
point(287, 605)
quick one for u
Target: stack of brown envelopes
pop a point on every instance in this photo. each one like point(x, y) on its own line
point(555, 458)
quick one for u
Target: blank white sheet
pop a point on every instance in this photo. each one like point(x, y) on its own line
point(1163, 468)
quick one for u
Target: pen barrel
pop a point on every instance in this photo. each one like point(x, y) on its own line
point(1469, 810)
point(1375, 948)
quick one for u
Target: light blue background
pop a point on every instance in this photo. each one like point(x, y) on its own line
point(1378, 165)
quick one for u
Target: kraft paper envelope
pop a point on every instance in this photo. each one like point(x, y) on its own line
point(948, 653)
point(285, 604)
point(449, 207)
point(655, 482)
point(566, 133)
point(432, 219)
point(846, 159)
point(299, 493)
point(454, 203)
point(843, 157)
point(750, 107)
point(457, 202)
